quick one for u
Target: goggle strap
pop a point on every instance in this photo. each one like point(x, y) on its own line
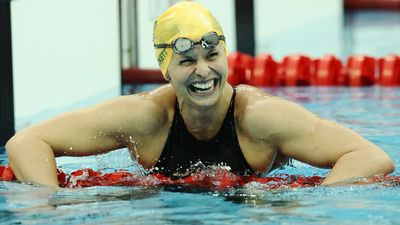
point(162, 45)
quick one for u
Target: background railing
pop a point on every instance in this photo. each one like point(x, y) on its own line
point(296, 70)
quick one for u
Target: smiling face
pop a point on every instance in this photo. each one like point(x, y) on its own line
point(199, 76)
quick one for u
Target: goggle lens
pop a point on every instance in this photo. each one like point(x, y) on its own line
point(182, 44)
point(210, 41)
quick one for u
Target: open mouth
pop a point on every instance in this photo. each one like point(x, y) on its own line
point(203, 88)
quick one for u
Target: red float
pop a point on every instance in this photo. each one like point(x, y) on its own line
point(240, 68)
point(265, 71)
point(389, 70)
point(279, 79)
point(327, 70)
point(142, 76)
point(297, 70)
point(6, 173)
point(361, 70)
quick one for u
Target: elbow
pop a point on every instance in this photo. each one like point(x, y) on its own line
point(12, 146)
point(389, 166)
point(375, 163)
point(12, 151)
point(11, 143)
point(385, 164)
point(15, 145)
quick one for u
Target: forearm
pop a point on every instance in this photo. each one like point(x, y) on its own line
point(32, 160)
point(359, 164)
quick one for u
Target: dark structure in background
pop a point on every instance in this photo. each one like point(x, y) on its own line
point(356, 5)
point(6, 77)
point(245, 34)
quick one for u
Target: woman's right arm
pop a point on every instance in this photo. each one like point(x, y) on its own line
point(88, 131)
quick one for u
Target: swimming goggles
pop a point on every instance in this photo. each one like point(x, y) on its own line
point(182, 45)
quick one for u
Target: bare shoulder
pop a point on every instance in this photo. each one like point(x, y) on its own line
point(157, 100)
point(251, 103)
point(260, 114)
point(142, 112)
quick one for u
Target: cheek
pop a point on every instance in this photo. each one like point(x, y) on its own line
point(175, 73)
point(178, 78)
point(222, 62)
point(223, 66)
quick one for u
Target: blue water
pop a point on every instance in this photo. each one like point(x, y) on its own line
point(374, 112)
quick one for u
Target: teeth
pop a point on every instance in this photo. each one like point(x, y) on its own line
point(204, 86)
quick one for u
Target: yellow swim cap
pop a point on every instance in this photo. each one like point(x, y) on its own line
point(184, 19)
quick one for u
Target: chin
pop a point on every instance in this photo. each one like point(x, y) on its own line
point(205, 104)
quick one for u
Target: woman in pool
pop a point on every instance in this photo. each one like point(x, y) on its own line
point(196, 119)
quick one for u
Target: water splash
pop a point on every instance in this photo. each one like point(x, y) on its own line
point(208, 179)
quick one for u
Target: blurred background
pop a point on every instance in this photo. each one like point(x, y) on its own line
point(59, 55)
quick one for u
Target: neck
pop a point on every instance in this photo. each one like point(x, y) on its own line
point(204, 124)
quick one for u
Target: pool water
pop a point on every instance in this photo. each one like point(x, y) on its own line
point(374, 112)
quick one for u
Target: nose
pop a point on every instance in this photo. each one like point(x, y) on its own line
point(202, 68)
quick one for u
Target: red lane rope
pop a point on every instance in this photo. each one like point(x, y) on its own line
point(217, 179)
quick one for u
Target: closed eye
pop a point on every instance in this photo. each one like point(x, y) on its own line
point(212, 55)
point(186, 61)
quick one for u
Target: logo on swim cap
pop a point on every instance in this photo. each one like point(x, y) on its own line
point(161, 56)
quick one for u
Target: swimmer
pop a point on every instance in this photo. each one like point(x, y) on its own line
point(197, 118)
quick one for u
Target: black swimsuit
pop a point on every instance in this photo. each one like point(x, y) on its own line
point(184, 154)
